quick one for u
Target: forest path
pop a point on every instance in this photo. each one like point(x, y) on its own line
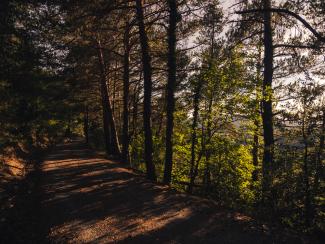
point(88, 199)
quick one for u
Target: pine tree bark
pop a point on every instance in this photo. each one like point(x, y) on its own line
point(171, 85)
point(267, 113)
point(147, 73)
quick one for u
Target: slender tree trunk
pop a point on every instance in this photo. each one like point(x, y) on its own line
point(196, 101)
point(307, 187)
point(207, 179)
point(160, 119)
point(307, 203)
point(109, 122)
point(126, 77)
point(134, 132)
point(267, 113)
point(147, 73)
point(256, 114)
point(255, 150)
point(104, 96)
point(114, 89)
point(171, 85)
point(319, 175)
point(320, 156)
point(135, 111)
point(86, 124)
point(196, 164)
point(114, 138)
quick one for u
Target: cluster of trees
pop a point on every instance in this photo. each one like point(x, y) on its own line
point(33, 98)
point(223, 102)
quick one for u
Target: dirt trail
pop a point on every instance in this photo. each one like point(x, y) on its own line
point(88, 199)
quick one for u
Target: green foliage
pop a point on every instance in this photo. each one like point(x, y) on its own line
point(34, 98)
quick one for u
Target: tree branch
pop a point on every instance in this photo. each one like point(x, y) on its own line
point(288, 12)
point(298, 46)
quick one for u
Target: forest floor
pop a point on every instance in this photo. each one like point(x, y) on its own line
point(78, 196)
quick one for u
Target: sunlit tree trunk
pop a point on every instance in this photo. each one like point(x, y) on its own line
point(147, 73)
point(171, 85)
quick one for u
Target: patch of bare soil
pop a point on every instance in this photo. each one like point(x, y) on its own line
point(84, 198)
point(18, 203)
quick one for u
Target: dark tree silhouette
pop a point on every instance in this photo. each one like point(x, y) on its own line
point(171, 85)
point(147, 73)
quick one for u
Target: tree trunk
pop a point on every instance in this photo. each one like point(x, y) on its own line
point(207, 178)
point(135, 111)
point(171, 85)
point(109, 123)
point(267, 113)
point(134, 131)
point(147, 73)
point(319, 175)
point(307, 203)
point(257, 114)
point(196, 101)
point(320, 155)
point(104, 97)
point(307, 187)
point(86, 124)
point(126, 77)
point(255, 150)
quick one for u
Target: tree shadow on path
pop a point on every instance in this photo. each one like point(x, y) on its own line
point(84, 198)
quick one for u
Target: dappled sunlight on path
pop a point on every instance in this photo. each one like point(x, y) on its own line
point(89, 199)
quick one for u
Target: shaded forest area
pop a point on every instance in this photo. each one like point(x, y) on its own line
point(220, 99)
